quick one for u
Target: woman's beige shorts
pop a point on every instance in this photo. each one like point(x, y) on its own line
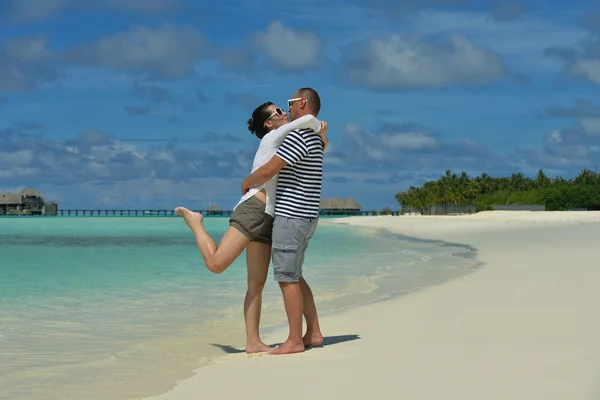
point(251, 219)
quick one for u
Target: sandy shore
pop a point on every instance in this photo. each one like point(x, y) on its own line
point(524, 326)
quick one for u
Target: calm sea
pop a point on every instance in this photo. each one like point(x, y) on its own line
point(117, 308)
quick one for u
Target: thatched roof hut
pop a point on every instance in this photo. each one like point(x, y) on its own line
point(340, 204)
point(17, 198)
point(27, 202)
point(30, 193)
point(10, 198)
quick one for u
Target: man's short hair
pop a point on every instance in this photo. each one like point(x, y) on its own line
point(311, 95)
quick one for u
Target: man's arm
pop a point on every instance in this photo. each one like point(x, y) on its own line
point(264, 173)
point(292, 149)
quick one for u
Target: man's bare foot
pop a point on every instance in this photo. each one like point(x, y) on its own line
point(312, 339)
point(288, 348)
point(257, 347)
point(190, 217)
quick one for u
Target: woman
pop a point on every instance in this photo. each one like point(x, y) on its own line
point(251, 223)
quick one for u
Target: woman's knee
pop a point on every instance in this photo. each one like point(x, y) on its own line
point(216, 266)
point(256, 283)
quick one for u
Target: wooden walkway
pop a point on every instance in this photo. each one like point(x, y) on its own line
point(214, 213)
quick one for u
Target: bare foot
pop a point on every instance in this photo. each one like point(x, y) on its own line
point(190, 217)
point(312, 340)
point(288, 348)
point(257, 347)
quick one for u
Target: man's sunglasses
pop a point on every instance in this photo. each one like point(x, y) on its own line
point(291, 101)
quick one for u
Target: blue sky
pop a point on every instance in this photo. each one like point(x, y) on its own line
point(143, 103)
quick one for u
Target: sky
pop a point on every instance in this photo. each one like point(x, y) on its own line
point(143, 103)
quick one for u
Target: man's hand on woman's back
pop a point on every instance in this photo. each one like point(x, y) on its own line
point(323, 134)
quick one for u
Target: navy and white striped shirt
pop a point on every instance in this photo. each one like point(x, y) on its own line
point(300, 181)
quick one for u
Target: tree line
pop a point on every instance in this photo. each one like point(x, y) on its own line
point(483, 191)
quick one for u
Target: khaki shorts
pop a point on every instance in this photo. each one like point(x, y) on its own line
point(290, 241)
point(251, 219)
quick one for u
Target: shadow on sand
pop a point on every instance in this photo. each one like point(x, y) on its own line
point(327, 341)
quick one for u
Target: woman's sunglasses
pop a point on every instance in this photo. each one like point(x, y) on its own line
point(278, 111)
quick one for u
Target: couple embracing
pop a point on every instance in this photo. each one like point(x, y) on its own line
point(276, 217)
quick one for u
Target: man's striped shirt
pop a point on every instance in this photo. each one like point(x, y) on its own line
point(300, 181)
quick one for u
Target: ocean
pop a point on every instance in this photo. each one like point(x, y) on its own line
point(118, 308)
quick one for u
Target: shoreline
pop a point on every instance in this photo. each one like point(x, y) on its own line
point(343, 287)
point(401, 357)
point(389, 296)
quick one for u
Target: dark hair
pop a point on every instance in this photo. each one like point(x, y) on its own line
point(256, 124)
point(312, 97)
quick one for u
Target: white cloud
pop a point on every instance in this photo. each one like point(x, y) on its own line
point(34, 10)
point(591, 126)
point(95, 169)
point(140, 5)
point(508, 37)
point(23, 64)
point(333, 160)
point(410, 141)
point(161, 193)
point(38, 10)
point(167, 52)
point(18, 173)
point(27, 49)
point(521, 42)
point(503, 12)
point(405, 147)
point(289, 48)
point(565, 149)
point(582, 56)
point(587, 68)
point(570, 157)
point(399, 62)
point(11, 189)
point(18, 158)
point(95, 155)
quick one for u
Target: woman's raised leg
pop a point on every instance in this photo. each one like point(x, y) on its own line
point(258, 256)
point(217, 259)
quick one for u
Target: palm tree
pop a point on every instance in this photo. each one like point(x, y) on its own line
point(457, 189)
point(542, 180)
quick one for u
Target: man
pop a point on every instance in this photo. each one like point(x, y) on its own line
point(299, 162)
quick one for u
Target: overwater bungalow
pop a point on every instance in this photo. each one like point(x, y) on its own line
point(27, 202)
point(337, 206)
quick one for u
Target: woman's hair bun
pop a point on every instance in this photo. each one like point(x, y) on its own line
point(251, 125)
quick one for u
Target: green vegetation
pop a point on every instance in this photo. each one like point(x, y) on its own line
point(483, 191)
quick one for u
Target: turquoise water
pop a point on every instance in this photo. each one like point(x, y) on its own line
point(112, 307)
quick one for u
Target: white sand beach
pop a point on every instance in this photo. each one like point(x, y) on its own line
point(523, 326)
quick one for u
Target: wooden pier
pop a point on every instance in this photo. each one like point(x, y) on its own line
point(136, 213)
point(208, 213)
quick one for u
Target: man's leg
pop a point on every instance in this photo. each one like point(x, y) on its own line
point(292, 299)
point(287, 274)
point(313, 336)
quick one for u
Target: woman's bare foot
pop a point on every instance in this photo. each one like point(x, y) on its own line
point(191, 218)
point(312, 339)
point(288, 348)
point(257, 347)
